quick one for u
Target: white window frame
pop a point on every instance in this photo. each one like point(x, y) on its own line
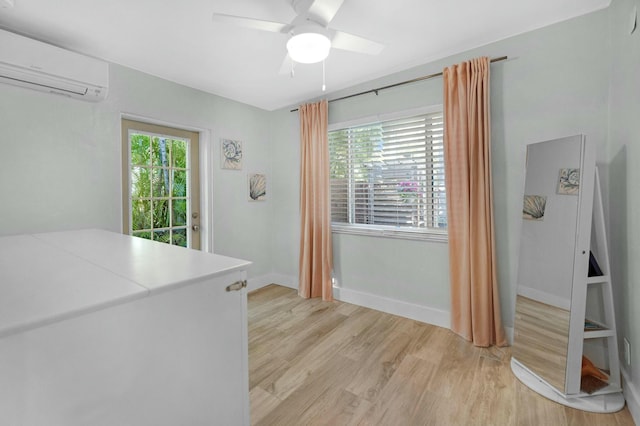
point(385, 231)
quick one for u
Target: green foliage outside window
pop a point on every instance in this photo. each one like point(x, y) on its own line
point(159, 188)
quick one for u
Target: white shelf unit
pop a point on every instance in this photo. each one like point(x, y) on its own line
point(598, 280)
point(601, 346)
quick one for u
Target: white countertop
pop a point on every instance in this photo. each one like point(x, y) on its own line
point(49, 277)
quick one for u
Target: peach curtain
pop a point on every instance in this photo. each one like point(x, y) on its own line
point(316, 262)
point(475, 301)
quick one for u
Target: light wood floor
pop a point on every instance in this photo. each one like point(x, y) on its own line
point(332, 363)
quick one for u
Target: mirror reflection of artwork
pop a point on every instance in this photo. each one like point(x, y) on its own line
point(257, 187)
point(231, 154)
point(533, 207)
point(569, 181)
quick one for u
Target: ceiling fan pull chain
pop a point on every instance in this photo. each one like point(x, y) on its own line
point(293, 72)
point(324, 87)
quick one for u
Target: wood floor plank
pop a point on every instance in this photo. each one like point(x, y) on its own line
point(265, 369)
point(458, 361)
point(493, 388)
point(531, 408)
point(405, 399)
point(330, 363)
point(275, 296)
point(262, 403)
point(308, 332)
point(311, 398)
point(381, 326)
point(305, 363)
point(375, 370)
point(432, 345)
point(349, 414)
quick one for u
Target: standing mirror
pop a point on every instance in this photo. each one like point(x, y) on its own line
point(562, 208)
point(546, 261)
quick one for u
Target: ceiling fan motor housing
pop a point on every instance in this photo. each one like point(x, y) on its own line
point(309, 44)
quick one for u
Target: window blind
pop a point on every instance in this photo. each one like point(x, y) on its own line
point(389, 173)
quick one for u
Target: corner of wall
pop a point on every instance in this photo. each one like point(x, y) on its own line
point(509, 331)
point(273, 278)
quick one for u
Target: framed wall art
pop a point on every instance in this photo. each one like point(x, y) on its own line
point(534, 207)
point(231, 154)
point(257, 186)
point(569, 181)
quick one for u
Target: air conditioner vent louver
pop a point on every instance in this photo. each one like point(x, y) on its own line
point(39, 66)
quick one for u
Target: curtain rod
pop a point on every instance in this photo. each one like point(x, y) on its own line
point(402, 83)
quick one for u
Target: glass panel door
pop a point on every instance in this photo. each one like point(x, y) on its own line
point(161, 185)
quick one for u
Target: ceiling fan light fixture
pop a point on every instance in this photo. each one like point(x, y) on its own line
point(309, 47)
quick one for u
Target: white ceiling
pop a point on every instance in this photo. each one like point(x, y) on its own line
point(178, 40)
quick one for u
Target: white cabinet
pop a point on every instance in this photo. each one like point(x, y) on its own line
point(105, 329)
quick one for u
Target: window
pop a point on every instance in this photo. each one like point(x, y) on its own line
point(387, 178)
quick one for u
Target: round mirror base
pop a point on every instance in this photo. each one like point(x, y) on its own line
point(595, 403)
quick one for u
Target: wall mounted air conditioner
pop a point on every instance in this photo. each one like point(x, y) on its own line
point(35, 65)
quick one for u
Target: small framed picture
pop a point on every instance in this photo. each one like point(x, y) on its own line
point(569, 181)
point(257, 186)
point(533, 207)
point(231, 154)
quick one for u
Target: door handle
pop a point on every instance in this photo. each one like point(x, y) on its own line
point(196, 228)
point(238, 285)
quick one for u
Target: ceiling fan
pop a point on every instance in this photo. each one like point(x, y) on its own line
point(311, 38)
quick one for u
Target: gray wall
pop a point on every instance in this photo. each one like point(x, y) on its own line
point(61, 159)
point(554, 84)
point(623, 157)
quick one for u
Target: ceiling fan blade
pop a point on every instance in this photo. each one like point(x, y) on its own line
point(325, 10)
point(354, 43)
point(287, 66)
point(255, 24)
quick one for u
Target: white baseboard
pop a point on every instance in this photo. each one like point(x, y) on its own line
point(631, 395)
point(392, 306)
point(413, 311)
point(255, 283)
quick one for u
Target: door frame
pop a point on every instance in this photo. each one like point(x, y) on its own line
point(205, 173)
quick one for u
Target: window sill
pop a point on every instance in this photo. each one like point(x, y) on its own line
point(391, 232)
